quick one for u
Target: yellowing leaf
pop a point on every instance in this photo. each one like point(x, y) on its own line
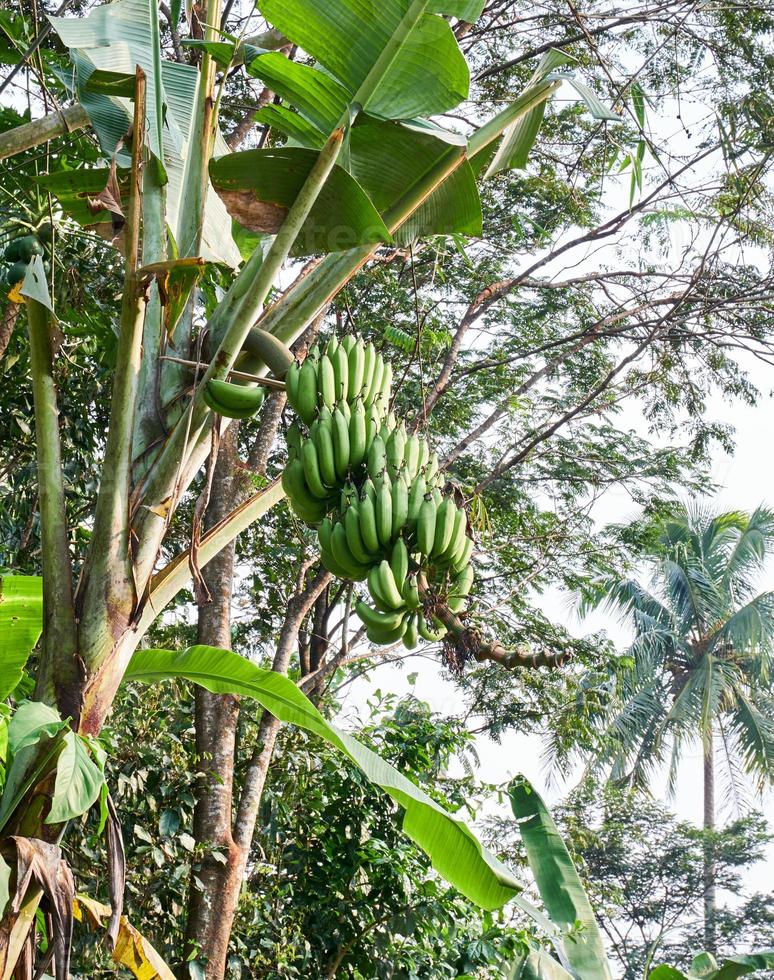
point(132, 949)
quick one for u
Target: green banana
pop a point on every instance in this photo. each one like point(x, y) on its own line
point(431, 468)
point(424, 453)
point(380, 620)
point(367, 518)
point(369, 490)
point(341, 373)
point(432, 636)
point(291, 385)
point(460, 589)
point(332, 345)
point(384, 510)
point(372, 425)
point(308, 507)
point(411, 457)
point(355, 570)
point(270, 349)
point(444, 526)
point(293, 436)
point(349, 496)
point(312, 474)
point(400, 504)
point(340, 436)
point(326, 381)
point(356, 368)
point(426, 525)
point(233, 401)
point(399, 563)
point(396, 447)
point(307, 391)
point(376, 377)
point(410, 592)
point(388, 585)
point(324, 444)
point(410, 635)
point(461, 560)
point(354, 539)
point(348, 341)
point(377, 458)
point(416, 496)
point(383, 637)
point(457, 540)
point(357, 434)
point(375, 588)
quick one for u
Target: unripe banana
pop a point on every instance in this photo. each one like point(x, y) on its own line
point(348, 342)
point(416, 496)
point(340, 550)
point(377, 458)
point(340, 436)
point(332, 345)
point(307, 391)
point(396, 447)
point(372, 425)
point(399, 563)
point(354, 539)
point(369, 490)
point(444, 526)
point(356, 368)
point(426, 525)
point(388, 586)
point(293, 436)
point(383, 637)
point(432, 636)
point(307, 506)
point(349, 497)
point(326, 381)
point(411, 457)
point(324, 445)
point(457, 540)
point(270, 349)
point(291, 385)
point(424, 453)
point(340, 364)
point(308, 456)
point(431, 468)
point(367, 518)
point(357, 434)
point(375, 588)
point(377, 369)
point(410, 635)
point(233, 401)
point(345, 410)
point(460, 589)
point(410, 593)
point(400, 504)
point(384, 510)
point(379, 620)
point(461, 560)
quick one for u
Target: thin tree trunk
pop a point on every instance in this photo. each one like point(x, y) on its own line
point(710, 905)
point(214, 890)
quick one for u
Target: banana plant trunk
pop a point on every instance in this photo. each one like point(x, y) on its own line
point(710, 899)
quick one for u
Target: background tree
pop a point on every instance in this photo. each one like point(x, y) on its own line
point(701, 654)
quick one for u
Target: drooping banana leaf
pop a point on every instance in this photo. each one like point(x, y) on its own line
point(114, 38)
point(21, 613)
point(537, 965)
point(580, 944)
point(454, 851)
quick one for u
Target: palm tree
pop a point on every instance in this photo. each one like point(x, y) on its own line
point(703, 637)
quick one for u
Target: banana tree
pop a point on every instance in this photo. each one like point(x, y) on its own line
point(570, 927)
point(364, 168)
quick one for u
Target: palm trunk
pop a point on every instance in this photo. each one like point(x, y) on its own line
point(710, 905)
point(216, 879)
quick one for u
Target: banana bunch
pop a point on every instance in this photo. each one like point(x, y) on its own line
point(341, 393)
point(374, 492)
point(345, 371)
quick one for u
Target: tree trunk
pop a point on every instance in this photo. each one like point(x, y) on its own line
point(710, 906)
point(216, 879)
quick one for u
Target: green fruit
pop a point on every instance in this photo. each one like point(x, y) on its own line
point(357, 434)
point(384, 637)
point(379, 620)
point(310, 462)
point(432, 636)
point(16, 273)
point(410, 592)
point(400, 504)
point(367, 518)
point(274, 354)
point(388, 586)
point(356, 571)
point(307, 391)
point(375, 589)
point(410, 636)
point(395, 450)
point(326, 381)
point(461, 560)
point(46, 233)
point(426, 525)
point(233, 401)
point(325, 454)
point(354, 539)
point(22, 249)
point(444, 526)
point(384, 510)
point(416, 496)
point(340, 435)
point(340, 373)
point(377, 458)
point(355, 368)
point(399, 563)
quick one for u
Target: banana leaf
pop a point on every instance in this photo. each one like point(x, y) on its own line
point(561, 890)
point(454, 851)
point(21, 608)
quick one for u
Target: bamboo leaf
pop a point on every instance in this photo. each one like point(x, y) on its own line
point(455, 853)
point(78, 781)
point(259, 186)
point(560, 887)
point(21, 618)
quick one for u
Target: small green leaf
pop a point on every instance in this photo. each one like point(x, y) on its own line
point(78, 781)
point(32, 721)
